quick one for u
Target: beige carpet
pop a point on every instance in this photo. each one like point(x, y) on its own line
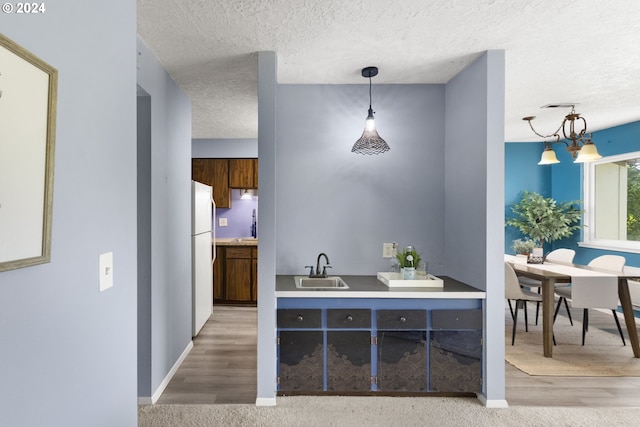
point(603, 354)
point(377, 411)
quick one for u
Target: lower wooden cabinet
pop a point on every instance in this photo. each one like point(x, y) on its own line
point(389, 351)
point(235, 275)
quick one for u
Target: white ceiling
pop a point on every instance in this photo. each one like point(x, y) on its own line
point(571, 51)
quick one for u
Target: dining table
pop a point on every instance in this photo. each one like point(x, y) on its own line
point(551, 273)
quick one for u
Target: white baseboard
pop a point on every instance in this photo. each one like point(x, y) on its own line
point(146, 400)
point(493, 403)
point(266, 401)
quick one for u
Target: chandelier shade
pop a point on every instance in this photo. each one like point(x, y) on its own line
point(548, 156)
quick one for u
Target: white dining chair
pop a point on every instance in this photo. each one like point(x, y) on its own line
point(561, 255)
point(598, 295)
point(513, 291)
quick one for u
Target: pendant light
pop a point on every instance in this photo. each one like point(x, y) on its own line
point(370, 142)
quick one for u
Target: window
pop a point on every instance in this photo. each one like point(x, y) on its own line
point(612, 203)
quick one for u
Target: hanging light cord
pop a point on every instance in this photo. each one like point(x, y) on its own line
point(369, 92)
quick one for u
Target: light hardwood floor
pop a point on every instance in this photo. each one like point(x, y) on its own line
point(221, 368)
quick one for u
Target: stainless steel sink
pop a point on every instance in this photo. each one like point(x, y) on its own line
point(331, 282)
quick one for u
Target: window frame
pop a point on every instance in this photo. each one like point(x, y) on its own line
point(588, 219)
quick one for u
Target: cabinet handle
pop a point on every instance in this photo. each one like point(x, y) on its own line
point(349, 318)
point(299, 318)
point(403, 319)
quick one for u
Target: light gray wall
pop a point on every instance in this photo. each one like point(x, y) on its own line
point(170, 245)
point(345, 204)
point(267, 135)
point(474, 226)
point(224, 148)
point(68, 351)
point(144, 243)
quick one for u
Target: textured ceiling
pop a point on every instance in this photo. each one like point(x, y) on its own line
point(581, 51)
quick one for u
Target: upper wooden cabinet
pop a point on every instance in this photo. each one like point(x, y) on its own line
point(243, 173)
point(213, 172)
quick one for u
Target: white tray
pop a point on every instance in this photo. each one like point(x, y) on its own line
point(394, 280)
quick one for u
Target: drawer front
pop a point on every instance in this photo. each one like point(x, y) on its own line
point(456, 319)
point(346, 318)
point(232, 252)
point(304, 318)
point(402, 319)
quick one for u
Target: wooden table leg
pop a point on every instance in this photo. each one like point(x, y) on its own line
point(627, 309)
point(548, 287)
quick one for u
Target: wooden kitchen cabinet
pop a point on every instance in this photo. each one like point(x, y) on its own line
point(243, 173)
point(213, 172)
point(235, 275)
point(218, 275)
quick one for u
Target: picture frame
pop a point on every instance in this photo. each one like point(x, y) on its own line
point(28, 99)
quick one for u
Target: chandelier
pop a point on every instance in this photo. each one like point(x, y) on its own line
point(581, 147)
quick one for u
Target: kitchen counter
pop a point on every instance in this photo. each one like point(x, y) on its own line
point(371, 287)
point(236, 241)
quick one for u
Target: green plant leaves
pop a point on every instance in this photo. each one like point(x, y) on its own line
point(544, 219)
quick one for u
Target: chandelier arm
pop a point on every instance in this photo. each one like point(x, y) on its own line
point(545, 136)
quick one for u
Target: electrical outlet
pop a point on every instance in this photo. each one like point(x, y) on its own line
point(222, 222)
point(387, 250)
point(106, 270)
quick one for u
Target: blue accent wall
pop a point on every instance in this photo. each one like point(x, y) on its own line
point(522, 172)
point(563, 181)
point(566, 181)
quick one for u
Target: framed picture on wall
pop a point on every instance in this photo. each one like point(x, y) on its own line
point(28, 91)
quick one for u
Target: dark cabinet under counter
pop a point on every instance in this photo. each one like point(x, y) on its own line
point(369, 346)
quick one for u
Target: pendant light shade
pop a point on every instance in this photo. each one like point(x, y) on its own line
point(370, 142)
point(548, 156)
point(587, 153)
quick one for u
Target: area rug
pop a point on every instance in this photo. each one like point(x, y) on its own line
point(603, 354)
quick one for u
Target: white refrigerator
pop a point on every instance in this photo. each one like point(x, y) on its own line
point(202, 253)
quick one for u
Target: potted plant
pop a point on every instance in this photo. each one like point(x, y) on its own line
point(544, 219)
point(524, 246)
point(408, 260)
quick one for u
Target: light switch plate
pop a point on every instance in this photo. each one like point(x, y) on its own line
point(387, 250)
point(106, 271)
point(222, 222)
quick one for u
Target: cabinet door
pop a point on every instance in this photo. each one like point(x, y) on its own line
point(402, 361)
point(348, 361)
point(254, 274)
point(221, 194)
point(241, 173)
point(218, 275)
point(300, 361)
point(238, 270)
point(255, 173)
point(202, 171)
point(455, 360)
point(213, 172)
